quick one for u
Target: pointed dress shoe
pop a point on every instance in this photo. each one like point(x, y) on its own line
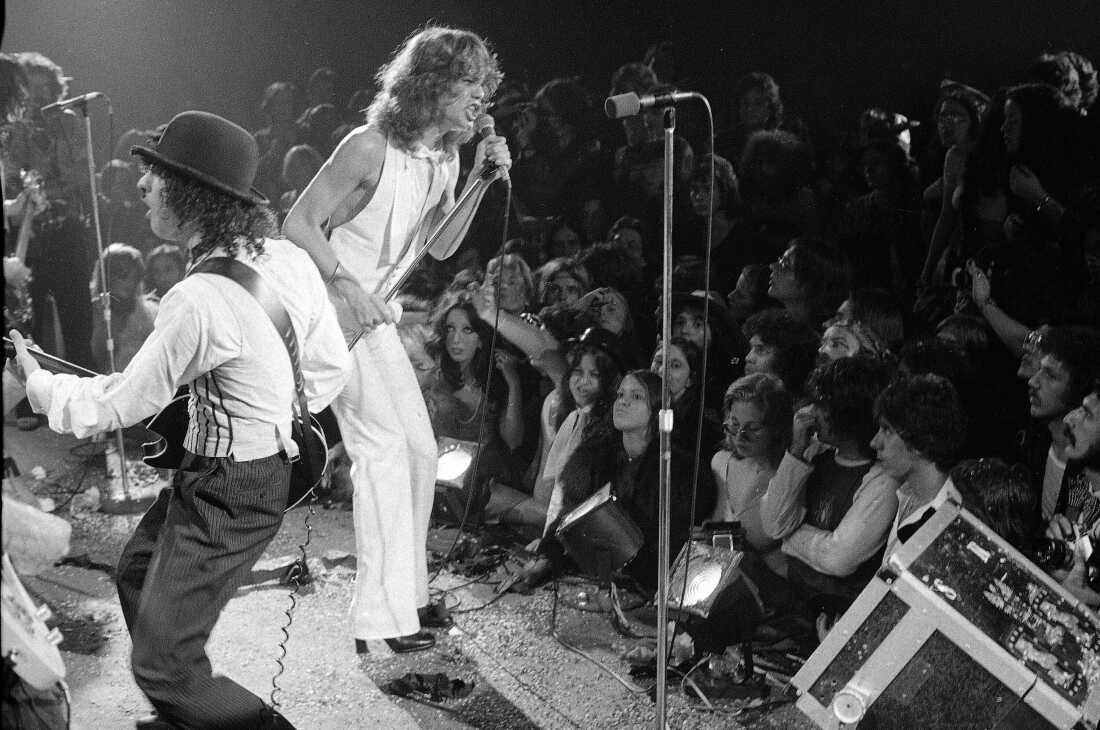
point(401, 644)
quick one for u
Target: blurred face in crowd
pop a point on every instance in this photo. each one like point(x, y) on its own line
point(741, 299)
point(700, 198)
point(754, 109)
point(563, 288)
point(952, 123)
point(424, 365)
point(1047, 388)
point(513, 290)
point(164, 273)
point(633, 243)
point(632, 410)
point(746, 434)
point(1083, 430)
point(837, 342)
point(783, 285)
point(689, 324)
point(760, 357)
point(123, 280)
point(876, 170)
point(894, 455)
point(463, 340)
point(1012, 128)
point(610, 310)
point(679, 372)
point(584, 381)
point(565, 242)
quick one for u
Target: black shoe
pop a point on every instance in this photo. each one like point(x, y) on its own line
point(435, 616)
point(153, 722)
point(413, 642)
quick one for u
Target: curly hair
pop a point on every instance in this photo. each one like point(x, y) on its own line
point(846, 390)
point(32, 61)
point(758, 80)
point(767, 393)
point(1001, 496)
point(795, 344)
point(220, 219)
point(421, 74)
point(13, 88)
point(926, 412)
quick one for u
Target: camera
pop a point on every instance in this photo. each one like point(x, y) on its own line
point(1053, 554)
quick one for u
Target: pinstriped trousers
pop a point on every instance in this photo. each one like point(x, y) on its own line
point(187, 556)
point(388, 436)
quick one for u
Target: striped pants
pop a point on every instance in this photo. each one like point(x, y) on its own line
point(187, 556)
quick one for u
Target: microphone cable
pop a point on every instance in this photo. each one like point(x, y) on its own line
point(484, 400)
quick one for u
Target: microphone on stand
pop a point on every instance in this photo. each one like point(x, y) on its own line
point(629, 104)
point(486, 127)
point(73, 101)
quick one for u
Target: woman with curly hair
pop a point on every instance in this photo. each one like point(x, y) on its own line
point(363, 218)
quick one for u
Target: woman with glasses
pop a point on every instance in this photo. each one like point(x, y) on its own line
point(757, 428)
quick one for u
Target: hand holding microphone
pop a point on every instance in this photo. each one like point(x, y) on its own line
point(492, 154)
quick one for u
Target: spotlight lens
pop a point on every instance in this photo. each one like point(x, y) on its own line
point(452, 465)
point(702, 582)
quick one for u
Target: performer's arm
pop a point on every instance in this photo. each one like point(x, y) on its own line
point(351, 173)
point(178, 350)
point(492, 150)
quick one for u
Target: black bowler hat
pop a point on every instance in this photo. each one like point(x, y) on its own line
point(210, 150)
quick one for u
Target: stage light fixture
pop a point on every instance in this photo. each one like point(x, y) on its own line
point(701, 571)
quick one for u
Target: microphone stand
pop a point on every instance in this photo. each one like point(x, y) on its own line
point(104, 294)
point(665, 425)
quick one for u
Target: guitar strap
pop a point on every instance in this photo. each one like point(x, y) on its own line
point(251, 281)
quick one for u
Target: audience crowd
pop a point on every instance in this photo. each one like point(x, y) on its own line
point(883, 326)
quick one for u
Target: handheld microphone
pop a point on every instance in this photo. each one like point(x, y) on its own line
point(486, 127)
point(73, 101)
point(629, 104)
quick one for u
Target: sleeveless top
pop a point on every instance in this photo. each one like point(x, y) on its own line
point(378, 244)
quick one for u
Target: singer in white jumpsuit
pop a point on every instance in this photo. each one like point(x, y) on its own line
point(384, 191)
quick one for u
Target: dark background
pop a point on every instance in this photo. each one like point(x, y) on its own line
point(831, 58)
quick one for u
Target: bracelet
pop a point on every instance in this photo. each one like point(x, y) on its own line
point(332, 277)
point(1043, 203)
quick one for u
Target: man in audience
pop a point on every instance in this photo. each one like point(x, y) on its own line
point(921, 427)
point(1081, 517)
point(1069, 363)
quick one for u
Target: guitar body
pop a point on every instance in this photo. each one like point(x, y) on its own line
point(170, 427)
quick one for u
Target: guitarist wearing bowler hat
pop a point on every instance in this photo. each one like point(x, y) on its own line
point(203, 534)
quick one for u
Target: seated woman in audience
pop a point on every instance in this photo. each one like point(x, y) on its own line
point(165, 266)
point(132, 312)
point(684, 376)
point(829, 502)
point(472, 389)
point(757, 427)
point(563, 238)
point(781, 346)
point(627, 461)
point(810, 280)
